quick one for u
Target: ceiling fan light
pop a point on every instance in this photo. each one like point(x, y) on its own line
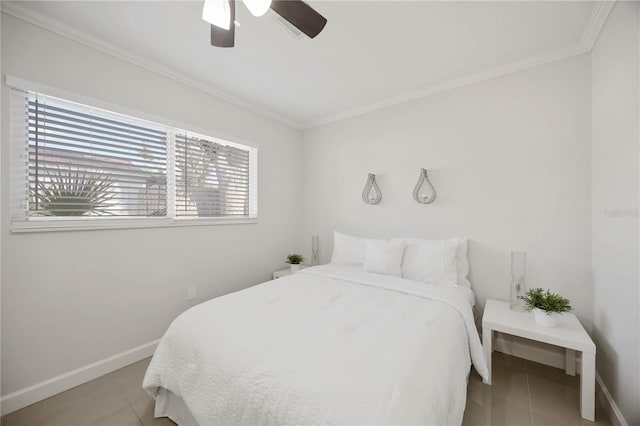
point(218, 13)
point(258, 7)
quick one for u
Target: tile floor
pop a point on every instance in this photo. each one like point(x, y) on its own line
point(526, 393)
point(523, 393)
point(115, 399)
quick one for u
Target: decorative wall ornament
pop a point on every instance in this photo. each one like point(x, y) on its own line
point(371, 193)
point(424, 192)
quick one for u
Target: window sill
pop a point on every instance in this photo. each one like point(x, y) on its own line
point(90, 224)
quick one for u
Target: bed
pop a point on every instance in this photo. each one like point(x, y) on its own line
point(330, 344)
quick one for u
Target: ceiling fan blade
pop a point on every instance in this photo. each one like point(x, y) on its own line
point(300, 15)
point(225, 38)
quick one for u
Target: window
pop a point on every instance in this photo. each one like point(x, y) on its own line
point(73, 163)
point(211, 179)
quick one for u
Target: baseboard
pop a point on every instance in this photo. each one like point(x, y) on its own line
point(610, 406)
point(29, 395)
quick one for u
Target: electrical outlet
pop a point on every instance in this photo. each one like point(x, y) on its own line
point(192, 293)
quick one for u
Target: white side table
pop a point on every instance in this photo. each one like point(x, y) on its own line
point(569, 334)
point(284, 272)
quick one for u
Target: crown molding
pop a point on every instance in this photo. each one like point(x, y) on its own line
point(13, 8)
point(599, 15)
point(452, 84)
point(598, 18)
point(594, 26)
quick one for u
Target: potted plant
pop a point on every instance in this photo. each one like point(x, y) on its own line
point(546, 306)
point(295, 260)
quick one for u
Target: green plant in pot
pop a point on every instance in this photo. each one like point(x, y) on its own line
point(295, 260)
point(546, 306)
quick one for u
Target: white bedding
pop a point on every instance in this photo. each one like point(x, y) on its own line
point(327, 345)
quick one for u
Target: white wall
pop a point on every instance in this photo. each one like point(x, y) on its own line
point(615, 165)
point(509, 157)
point(67, 297)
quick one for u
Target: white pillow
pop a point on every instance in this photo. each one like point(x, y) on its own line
point(430, 261)
point(348, 250)
point(384, 257)
point(462, 262)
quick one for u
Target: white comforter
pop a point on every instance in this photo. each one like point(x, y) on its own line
point(327, 345)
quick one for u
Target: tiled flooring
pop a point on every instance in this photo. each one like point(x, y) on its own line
point(116, 399)
point(523, 393)
point(526, 393)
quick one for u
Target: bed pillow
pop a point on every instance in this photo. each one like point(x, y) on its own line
point(348, 250)
point(384, 257)
point(430, 261)
point(462, 262)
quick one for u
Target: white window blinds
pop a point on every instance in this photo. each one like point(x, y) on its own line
point(84, 162)
point(211, 179)
point(74, 161)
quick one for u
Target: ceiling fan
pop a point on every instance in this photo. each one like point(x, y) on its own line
point(221, 14)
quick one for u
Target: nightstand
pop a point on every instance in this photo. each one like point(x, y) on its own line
point(568, 334)
point(284, 272)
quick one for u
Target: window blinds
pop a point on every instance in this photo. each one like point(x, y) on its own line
point(211, 179)
point(72, 160)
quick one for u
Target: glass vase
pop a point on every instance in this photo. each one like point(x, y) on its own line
point(518, 287)
point(315, 245)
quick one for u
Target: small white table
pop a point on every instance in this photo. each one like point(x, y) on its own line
point(569, 334)
point(284, 272)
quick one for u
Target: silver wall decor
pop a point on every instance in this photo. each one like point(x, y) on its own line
point(371, 193)
point(424, 192)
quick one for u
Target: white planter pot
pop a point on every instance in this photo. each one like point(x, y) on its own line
point(544, 319)
point(295, 268)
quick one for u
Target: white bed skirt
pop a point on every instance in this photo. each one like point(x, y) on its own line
point(171, 405)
